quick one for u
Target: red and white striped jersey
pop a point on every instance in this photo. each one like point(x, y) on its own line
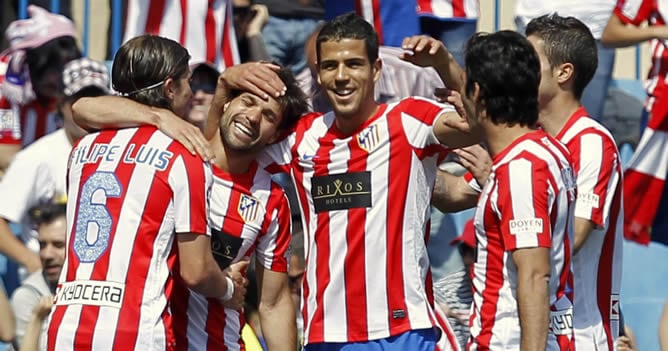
point(449, 8)
point(129, 190)
point(249, 214)
point(655, 13)
point(204, 27)
point(597, 267)
point(527, 202)
point(364, 199)
point(24, 124)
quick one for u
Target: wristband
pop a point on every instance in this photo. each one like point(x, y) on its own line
point(230, 289)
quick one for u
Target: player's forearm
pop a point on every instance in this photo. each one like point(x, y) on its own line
point(278, 323)
point(452, 74)
point(112, 112)
point(452, 193)
point(7, 323)
point(663, 328)
point(13, 248)
point(583, 228)
point(617, 34)
point(534, 306)
point(220, 98)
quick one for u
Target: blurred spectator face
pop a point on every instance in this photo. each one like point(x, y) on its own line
point(296, 275)
point(203, 86)
point(52, 248)
point(250, 122)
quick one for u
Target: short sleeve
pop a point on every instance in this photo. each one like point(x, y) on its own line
point(634, 11)
point(20, 183)
point(523, 204)
point(273, 243)
point(190, 179)
point(596, 177)
point(418, 116)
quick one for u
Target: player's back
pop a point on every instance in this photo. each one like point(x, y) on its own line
point(129, 191)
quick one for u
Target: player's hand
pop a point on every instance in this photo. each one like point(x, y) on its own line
point(43, 307)
point(259, 78)
point(452, 97)
point(477, 161)
point(185, 133)
point(425, 51)
point(624, 344)
point(237, 272)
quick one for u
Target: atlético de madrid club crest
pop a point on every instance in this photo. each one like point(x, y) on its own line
point(248, 208)
point(369, 138)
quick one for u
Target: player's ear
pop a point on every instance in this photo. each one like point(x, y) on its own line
point(377, 66)
point(169, 88)
point(566, 71)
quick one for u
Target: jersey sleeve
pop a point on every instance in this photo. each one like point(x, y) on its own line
point(523, 196)
point(472, 182)
point(21, 184)
point(273, 243)
point(634, 12)
point(190, 179)
point(418, 116)
point(10, 122)
point(596, 177)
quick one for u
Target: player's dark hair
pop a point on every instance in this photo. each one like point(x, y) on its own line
point(507, 69)
point(349, 26)
point(567, 39)
point(46, 213)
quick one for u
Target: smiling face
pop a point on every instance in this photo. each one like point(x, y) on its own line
point(346, 75)
point(51, 238)
point(250, 122)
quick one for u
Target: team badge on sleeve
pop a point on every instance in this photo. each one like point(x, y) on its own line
point(248, 208)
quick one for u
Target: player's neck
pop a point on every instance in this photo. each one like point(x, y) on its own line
point(349, 124)
point(500, 136)
point(557, 112)
point(235, 162)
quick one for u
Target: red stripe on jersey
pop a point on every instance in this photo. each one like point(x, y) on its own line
point(210, 30)
point(184, 21)
point(458, 9)
point(425, 6)
point(354, 262)
point(378, 20)
point(605, 268)
point(493, 275)
point(89, 314)
point(154, 17)
point(179, 306)
point(284, 217)
point(227, 41)
point(317, 327)
point(397, 186)
point(215, 326)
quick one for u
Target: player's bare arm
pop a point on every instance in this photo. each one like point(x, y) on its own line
point(533, 276)
point(103, 112)
point(277, 312)
point(617, 34)
point(13, 248)
point(583, 227)
point(425, 51)
point(201, 273)
point(453, 193)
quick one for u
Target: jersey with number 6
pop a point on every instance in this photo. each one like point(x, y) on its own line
point(129, 191)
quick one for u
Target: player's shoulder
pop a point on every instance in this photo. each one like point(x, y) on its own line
point(587, 126)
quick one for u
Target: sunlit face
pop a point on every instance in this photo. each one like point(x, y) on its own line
point(250, 122)
point(182, 100)
point(346, 75)
point(549, 84)
point(51, 238)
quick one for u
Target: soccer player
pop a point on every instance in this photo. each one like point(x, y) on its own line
point(137, 208)
point(567, 52)
point(249, 213)
point(521, 277)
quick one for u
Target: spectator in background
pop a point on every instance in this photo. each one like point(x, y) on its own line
point(594, 14)
point(50, 223)
point(30, 78)
point(38, 171)
point(452, 22)
point(248, 23)
point(205, 28)
point(290, 23)
point(645, 194)
point(7, 321)
point(9, 10)
point(203, 84)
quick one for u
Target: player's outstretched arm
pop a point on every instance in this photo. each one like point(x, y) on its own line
point(277, 311)
point(200, 271)
point(425, 51)
point(452, 193)
point(13, 248)
point(617, 34)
